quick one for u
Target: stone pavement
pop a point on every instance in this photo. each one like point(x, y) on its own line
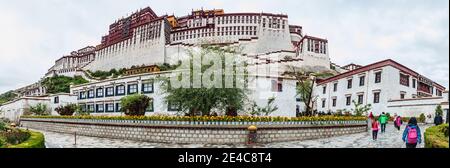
point(390, 139)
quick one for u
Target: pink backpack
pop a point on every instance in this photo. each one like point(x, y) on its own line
point(412, 135)
point(399, 121)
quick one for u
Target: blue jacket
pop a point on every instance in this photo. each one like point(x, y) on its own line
point(419, 133)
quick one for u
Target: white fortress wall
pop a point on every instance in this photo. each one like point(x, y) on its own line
point(138, 50)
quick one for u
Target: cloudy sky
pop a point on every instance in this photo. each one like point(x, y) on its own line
point(34, 33)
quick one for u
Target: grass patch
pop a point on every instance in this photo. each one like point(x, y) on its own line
point(36, 140)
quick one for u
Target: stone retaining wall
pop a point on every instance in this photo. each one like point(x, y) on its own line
point(211, 133)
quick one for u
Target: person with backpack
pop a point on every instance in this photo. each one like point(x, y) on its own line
point(398, 122)
point(438, 120)
point(412, 134)
point(375, 129)
point(383, 121)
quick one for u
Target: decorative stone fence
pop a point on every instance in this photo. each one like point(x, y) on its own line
point(184, 132)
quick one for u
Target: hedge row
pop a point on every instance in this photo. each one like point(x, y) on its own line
point(209, 118)
point(36, 140)
point(435, 137)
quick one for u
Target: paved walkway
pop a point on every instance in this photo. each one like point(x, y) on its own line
point(390, 139)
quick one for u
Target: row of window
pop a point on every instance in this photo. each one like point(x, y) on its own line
point(317, 46)
point(221, 31)
point(362, 82)
point(237, 19)
point(109, 108)
point(117, 108)
point(119, 90)
point(348, 100)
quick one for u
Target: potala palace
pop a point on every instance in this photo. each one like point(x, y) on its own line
point(143, 40)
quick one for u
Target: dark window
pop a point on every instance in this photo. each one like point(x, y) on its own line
point(110, 107)
point(362, 81)
point(414, 82)
point(277, 85)
point(173, 106)
point(404, 80)
point(109, 91)
point(335, 87)
point(323, 103)
point(100, 92)
point(334, 102)
point(378, 77)
point(360, 99)
point(150, 107)
point(90, 108)
point(119, 107)
point(324, 90)
point(402, 96)
point(120, 90)
point(82, 95)
point(100, 108)
point(56, 100)
point(83, 107)
point(348, 101)
point(91, 94)
point(350, 83)
point(376, 97)
point(147, 88)
point(132, 89)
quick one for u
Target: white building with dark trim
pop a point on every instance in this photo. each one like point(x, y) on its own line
point(381, 85)
point(104, 97)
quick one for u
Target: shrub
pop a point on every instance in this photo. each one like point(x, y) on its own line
point(40, 110)
point(79, 112)
point(135, 105)
point(67, 110)
point(15, 136)
point(61, 84)
point(2, 142)
point(2, 126)
point(435, 137)
point(422, 118)
point(5, 120)
point(36, 140)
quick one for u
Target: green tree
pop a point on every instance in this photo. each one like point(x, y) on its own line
point(439, 111)
point(306, 78)
point(61, 84)
point(361, 110)
point(135, 105)
point(422, 118)
point(264, 111)
point(40, 109)
point(168, 67)
point(8, 96)
point(67, 110)
point(199, 101)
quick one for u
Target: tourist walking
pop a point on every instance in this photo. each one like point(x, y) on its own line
point(383, 121)
point(398, 122)
point(375, 129)
point(412, 134)
point(438, 120)
point(370, 120)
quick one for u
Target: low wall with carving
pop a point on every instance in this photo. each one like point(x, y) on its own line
point(197, 132)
